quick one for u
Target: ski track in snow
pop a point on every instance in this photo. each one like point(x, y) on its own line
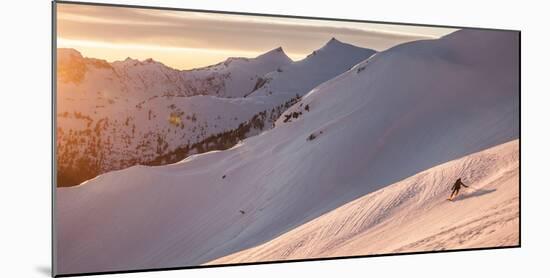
point(413, 215)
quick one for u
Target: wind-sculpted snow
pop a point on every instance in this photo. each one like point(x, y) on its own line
point(401, 112)
point(413, 215)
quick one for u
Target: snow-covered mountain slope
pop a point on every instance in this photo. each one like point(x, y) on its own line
point(323, 64)
point(406, 110)
point(233, 77)
point(423, 102)
point(115, 115)
point(413, 214)
point(241, 74)
point(157, 131)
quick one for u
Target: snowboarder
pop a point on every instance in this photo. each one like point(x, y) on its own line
point(456, 189)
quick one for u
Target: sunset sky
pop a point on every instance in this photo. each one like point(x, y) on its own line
point(186, 40)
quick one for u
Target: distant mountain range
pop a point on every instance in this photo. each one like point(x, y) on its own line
point(114, 115)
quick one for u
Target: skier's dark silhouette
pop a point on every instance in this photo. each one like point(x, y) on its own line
point(456, 188)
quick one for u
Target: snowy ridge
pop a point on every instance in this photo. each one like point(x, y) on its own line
point(240, 74)
point(406, 110)
point(323, 64)
point(413, 214)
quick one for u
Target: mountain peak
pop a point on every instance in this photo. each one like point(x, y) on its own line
point(63, 53)
point(334, 45)
point(136, 62)
point(333, 42)
point(275, 53)
point(333, 39)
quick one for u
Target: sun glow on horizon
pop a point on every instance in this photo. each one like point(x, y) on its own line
point(181, 58)
point(186, 40)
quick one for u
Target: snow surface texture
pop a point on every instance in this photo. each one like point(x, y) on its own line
point(403, 111)
point(413, 215)
point(115, 115)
